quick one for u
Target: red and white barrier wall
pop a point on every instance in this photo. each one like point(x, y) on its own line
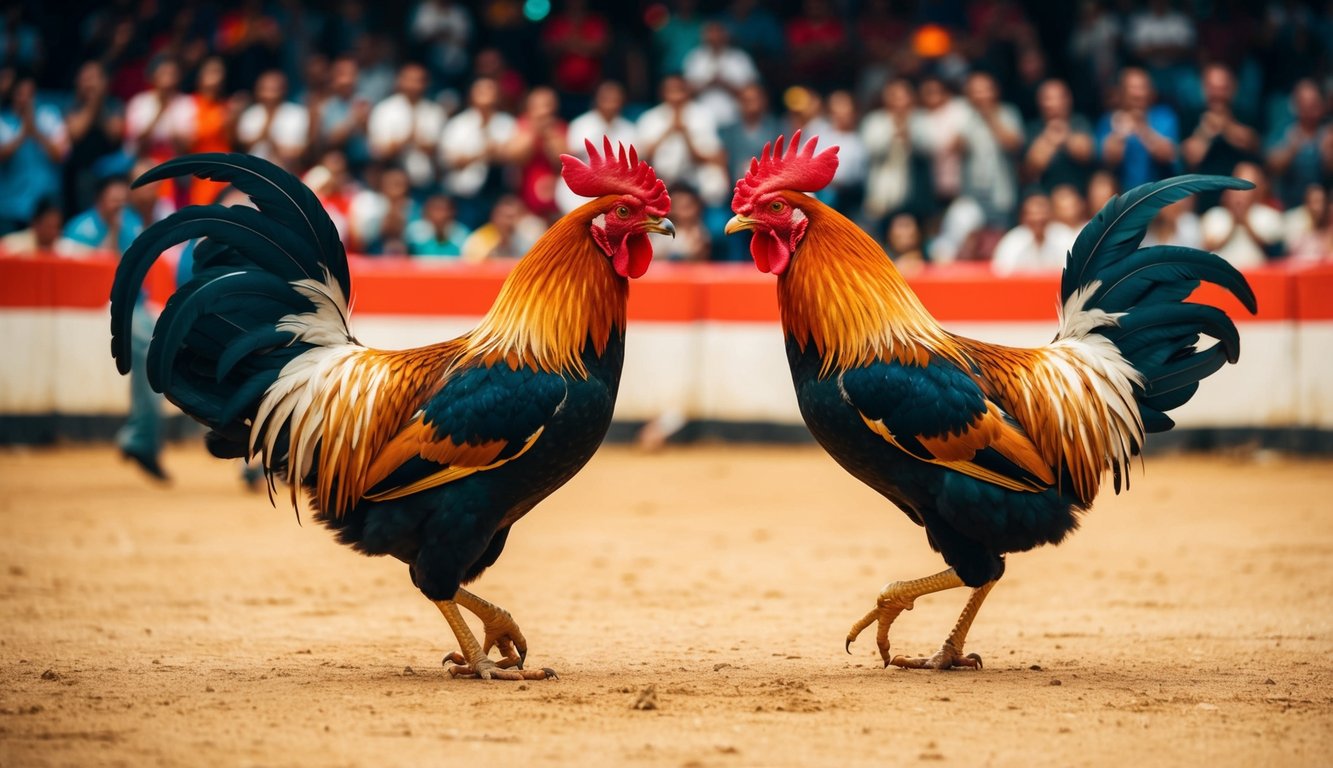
point(703, 339)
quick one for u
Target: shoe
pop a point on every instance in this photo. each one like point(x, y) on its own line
point(148, 463)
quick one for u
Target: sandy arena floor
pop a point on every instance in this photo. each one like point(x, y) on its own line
point(1188, 623)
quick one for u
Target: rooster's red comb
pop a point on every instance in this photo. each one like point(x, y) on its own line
point(612, 173)
point(799, 169)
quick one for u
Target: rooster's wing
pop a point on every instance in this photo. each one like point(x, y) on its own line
point(937, 413)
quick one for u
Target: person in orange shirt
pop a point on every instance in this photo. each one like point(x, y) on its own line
point(215, 122)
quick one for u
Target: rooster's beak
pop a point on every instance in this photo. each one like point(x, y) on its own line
point(661, 226)
point(738, 223)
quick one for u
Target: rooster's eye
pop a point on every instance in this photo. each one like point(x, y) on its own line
point(622, 211)
point(775, 206)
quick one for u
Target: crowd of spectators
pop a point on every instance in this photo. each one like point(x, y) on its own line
point(968, 130)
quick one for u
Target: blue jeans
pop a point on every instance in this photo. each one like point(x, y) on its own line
point(142, 433)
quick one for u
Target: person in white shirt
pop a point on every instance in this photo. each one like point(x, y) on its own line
point(274, 128)
point(159, 122)
point(473, 152)
point(992, 135)
point(717, 72)
point(405, 128)
point(680, 140)
point(848, 185)
point(1037, 244)
point(1243, 229)
point(891, 135)
point(604, 119)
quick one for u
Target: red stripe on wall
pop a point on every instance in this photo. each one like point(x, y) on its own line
point(680, 293)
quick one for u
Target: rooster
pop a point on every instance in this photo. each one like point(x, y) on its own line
point(429, 455)
point(991, 449)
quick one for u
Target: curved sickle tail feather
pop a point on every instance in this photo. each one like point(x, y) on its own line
point(1135, 298)
point(270, 284)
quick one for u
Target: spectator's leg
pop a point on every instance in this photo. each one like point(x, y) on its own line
point(141, 437)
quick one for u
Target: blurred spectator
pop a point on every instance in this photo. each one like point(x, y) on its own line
point(756, 31)
point(507, 235)
point(1094, 48)
point(95, 122)
point(1031, 75)
point(882, 41)
point(491, 63)
point(942, 117)
point(1314, 243)
point(1176, 224)
point(962, 227)
point(716, 72)
point(339, 118)
point(33, 143)
point(438, 233)
point(576, 41)
point(905, 246)
point(849, 183)
point(144, 201)
point(1068, 207)
point(1102, 186)
point(818, 43)
point(680, 140)
point(378, 215)
point(1302, 154)
point(441, 30)
point(1219, 141)
point(897, 177)
point(251, 39)
point(1299, 221)
point(325, 185)
point(535, 150)
point(1037, 244)
point(755, 127)
point(377, 77)
point(43, 237)
point(1160, 38)
point(1062, 149)
point(160, 122)
point(215, 123)
point(1244, 229)
point(20, 41)
point(473, 151)
point(1139, 138)
point(805, 111)
point(110, 225)
point(992, 135)
point(272, 127)
point(336, 191)
point(606, 118)
point(405, 128)
point(679, 34)
point(741, 141)
point(692, 241)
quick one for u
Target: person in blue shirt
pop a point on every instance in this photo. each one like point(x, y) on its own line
point(438, 233)
point(110, 226)
point(33, 144)
point(1139, 140)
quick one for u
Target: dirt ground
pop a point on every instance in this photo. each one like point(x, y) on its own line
point(1187, 623)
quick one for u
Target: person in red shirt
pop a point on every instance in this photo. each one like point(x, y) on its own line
point(575, 42)
point(818, 42)
point(539, 140)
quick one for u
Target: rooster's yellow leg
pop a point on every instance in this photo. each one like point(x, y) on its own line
point(951, 653)
point(502, 631)
point(475, 662)
point(897, 597)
